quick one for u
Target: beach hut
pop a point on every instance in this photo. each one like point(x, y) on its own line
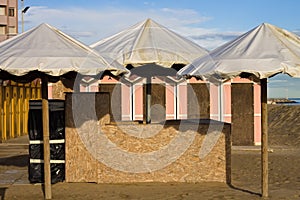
point(149, 50)
point(47, 53)
point(260, 53)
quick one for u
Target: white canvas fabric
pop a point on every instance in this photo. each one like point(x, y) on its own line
point(263, 51)
point(149, 42)
point(48, 50)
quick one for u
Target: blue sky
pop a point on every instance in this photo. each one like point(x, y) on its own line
point(209, 23)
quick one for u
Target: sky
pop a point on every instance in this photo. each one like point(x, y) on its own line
point(209, 23)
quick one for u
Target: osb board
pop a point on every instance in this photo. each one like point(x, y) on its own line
point(242, 110)
point(126, 152)
point(80, 107)
point(189, 167)
point(58, 90)
point(157, 158)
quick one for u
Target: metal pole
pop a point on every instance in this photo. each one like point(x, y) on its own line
point(45, 110)
point(22, 14)
point(264, 138)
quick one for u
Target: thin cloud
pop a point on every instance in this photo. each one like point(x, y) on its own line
point(297, 32)
point(214, 39)
point(90, 25)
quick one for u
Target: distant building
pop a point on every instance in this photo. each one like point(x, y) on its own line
point(8, 19)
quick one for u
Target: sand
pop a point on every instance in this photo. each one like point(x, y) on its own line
point(284, 173)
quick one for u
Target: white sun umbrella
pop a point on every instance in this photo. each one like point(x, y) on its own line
point(262, 52)
point(149, 44)
point(46, 51)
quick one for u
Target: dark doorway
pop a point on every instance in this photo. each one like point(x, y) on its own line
point(115, 99)
point(158, 102)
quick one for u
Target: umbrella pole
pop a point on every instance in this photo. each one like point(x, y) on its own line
point(45, 110)
point(148, 100)
point(264, 138)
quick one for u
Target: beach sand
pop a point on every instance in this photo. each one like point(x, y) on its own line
point(284, 173)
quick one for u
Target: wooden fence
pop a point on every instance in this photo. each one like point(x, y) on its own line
point(14, 105)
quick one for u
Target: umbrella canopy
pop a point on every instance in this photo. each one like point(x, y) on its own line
point(48, 50)
point(149, 42)
point(263, 51)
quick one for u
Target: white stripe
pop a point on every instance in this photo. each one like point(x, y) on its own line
point(35, 142)
point(36, 160)
point(42, 161)
point(109, 83)
point(57, 141)
point(257, 114)
point(51, 141)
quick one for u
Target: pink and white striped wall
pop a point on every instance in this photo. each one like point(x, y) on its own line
point(176, 100)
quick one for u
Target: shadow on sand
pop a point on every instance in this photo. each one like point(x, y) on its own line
point(244, 190)
point(2, 192)
point(18, 161)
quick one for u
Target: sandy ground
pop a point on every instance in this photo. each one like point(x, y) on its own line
point(284, 173)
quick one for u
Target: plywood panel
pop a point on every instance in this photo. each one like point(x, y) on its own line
point(198, 101)
point(158, 102)
point(242, 113)
point(81, 166)
point(115, 93)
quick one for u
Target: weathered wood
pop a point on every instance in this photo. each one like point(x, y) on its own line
point(115, 94)
point(85, 168)
point(158, 103)
point(198, 101)
point(242, 110)
point(47, 169)
point(264, 138)
point(148, 100)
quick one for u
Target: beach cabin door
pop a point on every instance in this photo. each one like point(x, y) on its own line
point(158, 102)
point(242, 110)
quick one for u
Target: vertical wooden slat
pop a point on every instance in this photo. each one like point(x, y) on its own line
point(20, 107)
point(39, 90)
point(45, 110)
point(26, 107)
point(33, 90)
point(7, 111)
point(1, 113)
point(13, 131)
point(264, 138)
point(4, 115)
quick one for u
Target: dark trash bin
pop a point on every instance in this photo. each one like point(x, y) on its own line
point(57, 141)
